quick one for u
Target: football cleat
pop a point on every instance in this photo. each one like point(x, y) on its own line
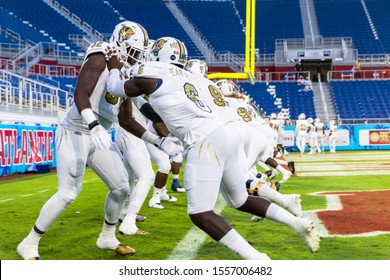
point(155, 203)
point(176, 186)
point(257, 219)
point(27, 251)
point(131, 230)
point(306, 229)
point(113, 244)
point(140, 218)
point(285, 177)
point(124, 250)
point(293, 204)
point(275, 186)
point(291, 165)
point(268, 173)
point(166, 197)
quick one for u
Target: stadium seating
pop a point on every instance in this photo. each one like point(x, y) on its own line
point(49, 21)
point(297, 102)
point(222, 23)
point(361, 99)
point(158, 21)
point(346, 19)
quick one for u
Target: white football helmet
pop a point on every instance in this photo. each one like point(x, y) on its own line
point(331, 122)
point(131, 41)
point(317, 120)
point(170, 50)
point(227, 87)
point(310, 120)
point(273, 116)
point(280, 116)
point(302, 116)
point(197, 67)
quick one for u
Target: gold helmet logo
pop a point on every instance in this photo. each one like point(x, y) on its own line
point(158, 45)
point(189, 65)
point(125, 33)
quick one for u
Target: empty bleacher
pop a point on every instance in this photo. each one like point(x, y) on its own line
point(346, 18)
point(46, 20)
point(361, 99)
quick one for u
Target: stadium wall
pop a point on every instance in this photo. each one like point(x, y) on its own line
point(350, 137)
point(32, 148)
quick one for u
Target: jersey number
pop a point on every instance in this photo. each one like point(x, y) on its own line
point(193, 95)
point(111, 99)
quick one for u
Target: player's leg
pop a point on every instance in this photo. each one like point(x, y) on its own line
point(138, 165)
point(108, 165)
point(164, 167)
point(72, 151)
point(175, 169)
point(202, 176)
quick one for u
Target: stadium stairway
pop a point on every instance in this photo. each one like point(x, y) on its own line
point(323, 102)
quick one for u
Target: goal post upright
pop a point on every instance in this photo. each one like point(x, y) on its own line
point(249, 68)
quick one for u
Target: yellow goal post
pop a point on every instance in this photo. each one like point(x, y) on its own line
point(249, 68)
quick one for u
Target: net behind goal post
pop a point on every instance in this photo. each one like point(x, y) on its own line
point(249, 68)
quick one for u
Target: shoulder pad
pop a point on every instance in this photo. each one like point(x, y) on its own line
point(96, 47)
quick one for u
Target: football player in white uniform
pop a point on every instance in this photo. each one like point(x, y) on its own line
point(82, 139)
point(214, 152)
point(320, 131)
point(136, 156)
point(332, 136)
point(311, 132)
point(247, 112)
point(301, 132)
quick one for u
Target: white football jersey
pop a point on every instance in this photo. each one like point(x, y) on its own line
point(301, 126)
point(104, 105)
point(179, 102)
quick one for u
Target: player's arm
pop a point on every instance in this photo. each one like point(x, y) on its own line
point(132, 87)
point(86, 82)
point(147, 110)
point(169, 145)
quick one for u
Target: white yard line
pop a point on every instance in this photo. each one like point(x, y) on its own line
point(188, 246)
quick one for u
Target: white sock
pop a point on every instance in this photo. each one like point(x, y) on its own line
point(264, 166)
point(281, 169)
point(33, 237)
point(271, 194)
point(108, 230)
point(239, 245)
point(157, 192)
point(281, 162)
point(278, 214)
point(175, 176)
point(130, 219)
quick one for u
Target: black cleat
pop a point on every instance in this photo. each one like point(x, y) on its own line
point(291, 165)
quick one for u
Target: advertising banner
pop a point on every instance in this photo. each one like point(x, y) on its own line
point(26, 148)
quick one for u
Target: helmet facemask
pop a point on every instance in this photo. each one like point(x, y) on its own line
point(131, 41)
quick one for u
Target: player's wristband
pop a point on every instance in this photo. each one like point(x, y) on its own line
point(93, 124)
point(89, 117)
point(150, 137)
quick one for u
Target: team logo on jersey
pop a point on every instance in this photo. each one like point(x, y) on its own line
point(125, 33)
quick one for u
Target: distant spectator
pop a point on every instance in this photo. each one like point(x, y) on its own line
point(308, 85)
point(49, 50)
point(301, 83)
point(298, 67)
point(357, 69)
point(318, 70)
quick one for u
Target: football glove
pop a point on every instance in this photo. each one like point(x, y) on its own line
point(170, 145)
point(100, 137)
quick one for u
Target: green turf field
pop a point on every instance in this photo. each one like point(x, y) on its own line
point(172, 235)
